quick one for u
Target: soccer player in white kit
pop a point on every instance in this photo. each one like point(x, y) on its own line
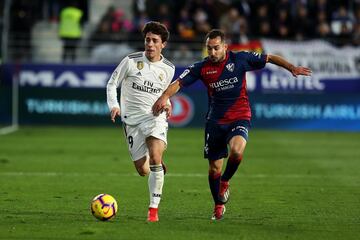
point(142, 78)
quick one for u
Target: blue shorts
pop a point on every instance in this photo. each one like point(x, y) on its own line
point(217, 137)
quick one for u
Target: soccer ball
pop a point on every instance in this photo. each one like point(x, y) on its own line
point(104, 207)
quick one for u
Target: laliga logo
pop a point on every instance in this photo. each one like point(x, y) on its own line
point(183, 110)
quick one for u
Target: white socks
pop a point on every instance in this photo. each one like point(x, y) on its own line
point(156, 182)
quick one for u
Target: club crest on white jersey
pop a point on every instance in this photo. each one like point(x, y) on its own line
point(140, 65)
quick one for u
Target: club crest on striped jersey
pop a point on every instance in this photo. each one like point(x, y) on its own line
point(256, 54)
point(161, 76)
point(230, 67)
point(140, 65)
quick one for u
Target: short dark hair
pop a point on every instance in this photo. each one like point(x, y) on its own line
point(156, 28)
point(214, 33)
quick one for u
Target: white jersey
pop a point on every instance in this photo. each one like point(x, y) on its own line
point(141, 82)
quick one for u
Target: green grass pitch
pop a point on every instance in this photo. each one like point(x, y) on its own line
point(290, 185)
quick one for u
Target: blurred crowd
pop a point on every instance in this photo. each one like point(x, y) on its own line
point(243, 20)
point(337, 21)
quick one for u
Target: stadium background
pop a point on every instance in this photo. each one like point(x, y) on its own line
point(300, 174)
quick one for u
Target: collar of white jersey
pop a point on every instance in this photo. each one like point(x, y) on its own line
point(150, 62)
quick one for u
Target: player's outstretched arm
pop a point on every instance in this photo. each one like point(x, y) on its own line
point(282, 62)
point(162, 103)
point(115, 112)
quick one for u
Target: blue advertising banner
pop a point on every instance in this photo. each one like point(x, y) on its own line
point(63, 106)
point(58, 75)
point(269, 80)
point(327, 111)
point(71, 94)
point(334, 112)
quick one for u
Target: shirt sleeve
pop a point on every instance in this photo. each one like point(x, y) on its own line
point(170, 77)
point(253, 60)
point(115, 81)
point(169, 80)
point(190, 75)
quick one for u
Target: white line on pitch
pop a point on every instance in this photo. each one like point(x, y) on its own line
point(194, 175)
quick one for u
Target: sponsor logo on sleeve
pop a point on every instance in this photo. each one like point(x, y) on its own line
point(186, 72)
point(114, 75)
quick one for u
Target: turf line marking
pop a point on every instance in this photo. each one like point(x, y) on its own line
point(190, 175)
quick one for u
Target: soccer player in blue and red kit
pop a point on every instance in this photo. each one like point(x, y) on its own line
point(228, 119)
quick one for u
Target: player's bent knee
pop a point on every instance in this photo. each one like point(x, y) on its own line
point(213, 171)
point(236, 156)
point(155, 158)
point(214, 174)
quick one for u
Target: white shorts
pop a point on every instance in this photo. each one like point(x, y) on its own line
point(136, 136)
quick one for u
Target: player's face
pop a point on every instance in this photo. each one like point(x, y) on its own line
point(216, 49)
point(153, 46)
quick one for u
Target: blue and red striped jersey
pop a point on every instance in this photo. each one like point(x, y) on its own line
point(226, 84)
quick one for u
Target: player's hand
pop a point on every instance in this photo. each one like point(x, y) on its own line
point(159, 106)
point(114, 113)
point(301, 71)
point(168, 109)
